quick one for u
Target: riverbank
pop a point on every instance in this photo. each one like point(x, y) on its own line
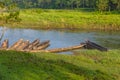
point(80, 66)
point(66, 19)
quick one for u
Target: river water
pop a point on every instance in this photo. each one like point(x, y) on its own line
point(64, 38)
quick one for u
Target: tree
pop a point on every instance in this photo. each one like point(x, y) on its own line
point(13, 12)
point(2, 5)
point(117, 2)
point(102, 5)
point(77, 2)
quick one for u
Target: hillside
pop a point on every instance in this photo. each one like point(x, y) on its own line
point(83, 65)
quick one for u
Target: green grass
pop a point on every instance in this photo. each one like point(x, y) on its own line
point(69, 19)
point(83, 65)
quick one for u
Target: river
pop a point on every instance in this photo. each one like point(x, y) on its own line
point(64, 38)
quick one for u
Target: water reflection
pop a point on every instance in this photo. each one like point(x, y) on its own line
point(110, 40)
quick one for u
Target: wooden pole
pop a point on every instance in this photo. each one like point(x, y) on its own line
point(43, 43)
point(65, 49)
point(23, 45)
point(31, 45)
point(92, 45)
point(60, 49)
point(16, 44)
point(5, 44)
point(43, 46)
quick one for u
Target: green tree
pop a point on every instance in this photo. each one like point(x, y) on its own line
point(13, 12)
point(117, 3)
point(102, 5)
point(2, 5)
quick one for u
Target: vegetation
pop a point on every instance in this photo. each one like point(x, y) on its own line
point(101, 5)
point(84, 65)
point(69, 19)
point(9, 13)
point(80, 14)
point(70, 14)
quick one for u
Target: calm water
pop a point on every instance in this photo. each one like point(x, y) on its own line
point(64, 38)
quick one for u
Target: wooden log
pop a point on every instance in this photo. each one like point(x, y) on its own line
point(43, 43)
point(92, 45)
point(43, 46)
point(66, 49)
point(5, 44)
point(35, 51)
point(16, 44)
point(23, 45)
point(31, 45)
point(60, 49)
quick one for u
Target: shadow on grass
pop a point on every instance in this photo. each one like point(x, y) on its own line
point(82, 71)
point(21, 66)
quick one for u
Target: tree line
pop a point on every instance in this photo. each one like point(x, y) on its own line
point(101, 5)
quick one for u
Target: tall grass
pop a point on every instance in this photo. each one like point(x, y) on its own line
point(69, 19)
point(84, 65)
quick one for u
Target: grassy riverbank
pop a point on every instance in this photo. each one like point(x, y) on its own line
point(69, 19)
point(84, 65)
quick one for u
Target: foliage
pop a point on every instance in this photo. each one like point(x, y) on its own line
point(12, 12)
point(102, 5)
point(84, 65)
point(68, 19)
point(13, 16)
point(1, 5)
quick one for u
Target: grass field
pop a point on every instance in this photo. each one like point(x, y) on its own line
point(68, 19)
point(83, 65)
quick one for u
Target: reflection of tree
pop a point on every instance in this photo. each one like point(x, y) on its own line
point(109, 40)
